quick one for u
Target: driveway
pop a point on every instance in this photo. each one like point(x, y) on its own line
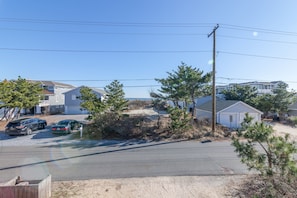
point(40, 137)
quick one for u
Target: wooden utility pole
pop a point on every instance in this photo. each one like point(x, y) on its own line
point(214, 118)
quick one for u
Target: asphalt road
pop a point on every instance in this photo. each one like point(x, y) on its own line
point(114, 159)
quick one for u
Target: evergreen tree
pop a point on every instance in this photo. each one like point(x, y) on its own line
point(91, 102)
point(19, 94)
point(185, 84)
point(244, 93)
point(115, 97)
point(282, 98)
point(265, 103)
point(274, 158)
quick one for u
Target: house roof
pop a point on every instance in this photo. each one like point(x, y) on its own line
point(52, 83)
point(100, 91)
point(224, 104)
point(202, 100)
point(220, 105)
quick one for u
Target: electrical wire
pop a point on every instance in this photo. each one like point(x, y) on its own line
point(255, 29)
point(253, 39)
point(145, 51)
point(159, 85)
point(104, 51)
point(257, 56)
point(106, 33)
point(100, 23)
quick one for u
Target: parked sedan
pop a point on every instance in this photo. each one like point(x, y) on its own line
point(24, 126)
point(66, 126)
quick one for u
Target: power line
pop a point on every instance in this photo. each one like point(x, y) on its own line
point(105, 33)
point(144, 51)
point(247, 79)
point(146, 24)
point(104, 51)
point(153, 79)
point(159, 85)
point(262, 40)
point(105, 80)
point(145, 34)
point(258, 56)
point(100, 23)
point(263, 30)
point(133, 86)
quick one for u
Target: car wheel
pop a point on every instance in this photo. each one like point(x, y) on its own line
point(43, 126)
point(29, 131)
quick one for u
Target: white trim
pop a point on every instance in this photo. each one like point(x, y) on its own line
point(242, 104)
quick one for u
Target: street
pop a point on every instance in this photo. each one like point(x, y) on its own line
point(119, 159)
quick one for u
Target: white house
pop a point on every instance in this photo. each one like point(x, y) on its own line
point(261, 87)
point(52, 100)
point(72, 101)
point(229, 113)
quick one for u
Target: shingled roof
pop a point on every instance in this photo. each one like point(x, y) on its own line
point(220, 105)
point(52, 83)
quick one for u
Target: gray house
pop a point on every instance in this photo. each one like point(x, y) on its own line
point(292, 109)
point(72, 101)
point(229, 113)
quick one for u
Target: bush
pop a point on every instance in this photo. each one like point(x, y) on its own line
point(274, 160)
point(291, 121)
point(100, 126)
point(139, 104)
point(180, 119)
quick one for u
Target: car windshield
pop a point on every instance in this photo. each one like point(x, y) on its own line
point(13, 124)
point(16, 122)
point(63, 122)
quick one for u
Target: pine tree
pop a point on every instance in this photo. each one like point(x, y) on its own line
point(274, 158)
point(19, 94)
point(184, 85)
point(91, 102)
point(115, 97)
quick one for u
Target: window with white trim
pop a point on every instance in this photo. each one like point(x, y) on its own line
point(73, 97)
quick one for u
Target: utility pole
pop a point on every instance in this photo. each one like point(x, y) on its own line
point(214, 118)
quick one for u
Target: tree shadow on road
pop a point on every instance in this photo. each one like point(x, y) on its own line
point(4, 136)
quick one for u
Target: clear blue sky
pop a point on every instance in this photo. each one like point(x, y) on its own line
point(92, 42)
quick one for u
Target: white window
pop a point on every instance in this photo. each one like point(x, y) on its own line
point(73, 97)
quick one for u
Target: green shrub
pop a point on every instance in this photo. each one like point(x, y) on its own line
point(274, 160)
point(180, 119)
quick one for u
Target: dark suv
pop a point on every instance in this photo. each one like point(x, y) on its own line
point(24, 126)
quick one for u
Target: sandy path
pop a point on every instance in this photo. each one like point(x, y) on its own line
point(160, 187)
point(281, 130)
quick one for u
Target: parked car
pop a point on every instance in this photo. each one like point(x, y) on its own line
point(24, 126)
point(66, 126)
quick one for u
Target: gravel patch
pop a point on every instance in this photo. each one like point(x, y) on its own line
point(165, 187)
